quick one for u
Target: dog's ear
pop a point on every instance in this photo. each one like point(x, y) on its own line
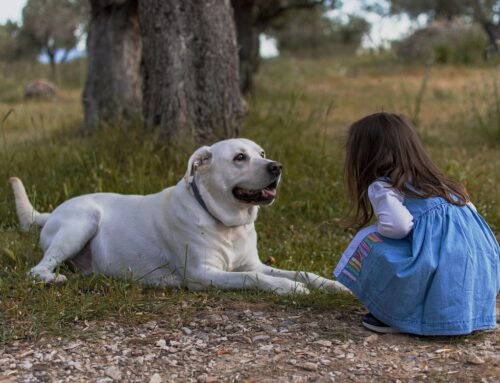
point(199, 159)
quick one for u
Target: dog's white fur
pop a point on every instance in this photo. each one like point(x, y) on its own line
point(169, 239)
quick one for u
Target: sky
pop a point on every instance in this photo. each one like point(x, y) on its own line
point(11, 9)
point(383, 29)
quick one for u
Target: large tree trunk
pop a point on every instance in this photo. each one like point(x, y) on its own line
point(245, 13)
point(113, 88)
point(190, 67)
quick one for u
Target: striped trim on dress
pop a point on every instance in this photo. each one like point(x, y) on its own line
point(355, 263)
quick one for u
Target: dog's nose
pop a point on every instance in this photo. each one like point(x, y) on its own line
point(275, 168)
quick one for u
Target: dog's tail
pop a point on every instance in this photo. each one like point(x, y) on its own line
point(25, 210)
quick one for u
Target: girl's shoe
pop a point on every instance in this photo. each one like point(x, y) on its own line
point(373, 324)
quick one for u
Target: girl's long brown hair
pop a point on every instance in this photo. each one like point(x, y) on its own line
point(387, 145)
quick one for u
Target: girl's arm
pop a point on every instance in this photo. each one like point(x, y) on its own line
point(393, 218)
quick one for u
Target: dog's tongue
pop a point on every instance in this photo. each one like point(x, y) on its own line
point(269, 192)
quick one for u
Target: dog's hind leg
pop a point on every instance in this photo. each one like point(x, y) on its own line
point(62, 239)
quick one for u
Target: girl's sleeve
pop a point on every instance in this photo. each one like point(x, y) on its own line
point(393, 218)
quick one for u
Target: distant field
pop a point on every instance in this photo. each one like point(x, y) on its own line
point(298, 113)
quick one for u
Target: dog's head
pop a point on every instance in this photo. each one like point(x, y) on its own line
point(234, 178)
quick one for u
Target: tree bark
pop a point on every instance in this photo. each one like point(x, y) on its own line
point(493, 32)
point(113, 88)
point(190, 67)
point(52, 61)
point(491, 29)
point(252, 17)
point(245, 13)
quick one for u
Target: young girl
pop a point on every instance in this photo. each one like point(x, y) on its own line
point(430, 265)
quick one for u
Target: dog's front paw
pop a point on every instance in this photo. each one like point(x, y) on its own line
point(47, 276)
point(334, 286)
point(300, 288)
point(292, 288)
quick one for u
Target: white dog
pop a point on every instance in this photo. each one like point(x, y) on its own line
point(196, 234)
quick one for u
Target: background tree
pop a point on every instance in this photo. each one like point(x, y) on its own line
point(253, 17)
point(53, 25)
point(484, 12)
point(312, 33)
point(14, 45)
point(445, 42)
point(113, 88)
point(435, 9)
point(487, 14)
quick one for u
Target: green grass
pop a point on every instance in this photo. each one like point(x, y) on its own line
point(298, 113)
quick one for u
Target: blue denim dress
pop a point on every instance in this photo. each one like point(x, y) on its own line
point(442, 279)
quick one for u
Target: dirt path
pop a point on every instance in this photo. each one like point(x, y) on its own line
point(250, 343)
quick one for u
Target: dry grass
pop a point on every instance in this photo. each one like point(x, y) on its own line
point(298, 113)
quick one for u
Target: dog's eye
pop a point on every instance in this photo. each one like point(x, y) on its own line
point(240, 157)
point(263, 154)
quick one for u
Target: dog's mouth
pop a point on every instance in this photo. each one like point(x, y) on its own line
point(257, 197)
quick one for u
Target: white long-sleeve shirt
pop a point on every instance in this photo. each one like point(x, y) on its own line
point(393, 218)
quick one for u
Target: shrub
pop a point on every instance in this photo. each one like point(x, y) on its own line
point(484, 122)
point(445, 42)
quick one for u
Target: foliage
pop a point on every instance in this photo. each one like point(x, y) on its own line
point(299, 114)
point(310, 32)
point(53, 25)
point(445, 42)
point(14, 44)
point(484, 12)
point(447, 9)
point(435, 9)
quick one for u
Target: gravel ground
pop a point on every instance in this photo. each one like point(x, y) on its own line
point(249, 343)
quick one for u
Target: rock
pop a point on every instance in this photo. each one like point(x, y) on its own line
point(155, 378)
point(40, 89)
point(71, 346)
point(113, 372)
point(204, 378)
point(267, 347)
point(399, 339)
point(443, 351)
point(151, 325)
point(309, 366)
point(325, 343)
point(186, 331)
point(270, 260)
point(257, 338)
point(25, 354)
point(474, 359)
point(370, 339)
point(162, 343)
point(149, 357)
point(299, 379)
